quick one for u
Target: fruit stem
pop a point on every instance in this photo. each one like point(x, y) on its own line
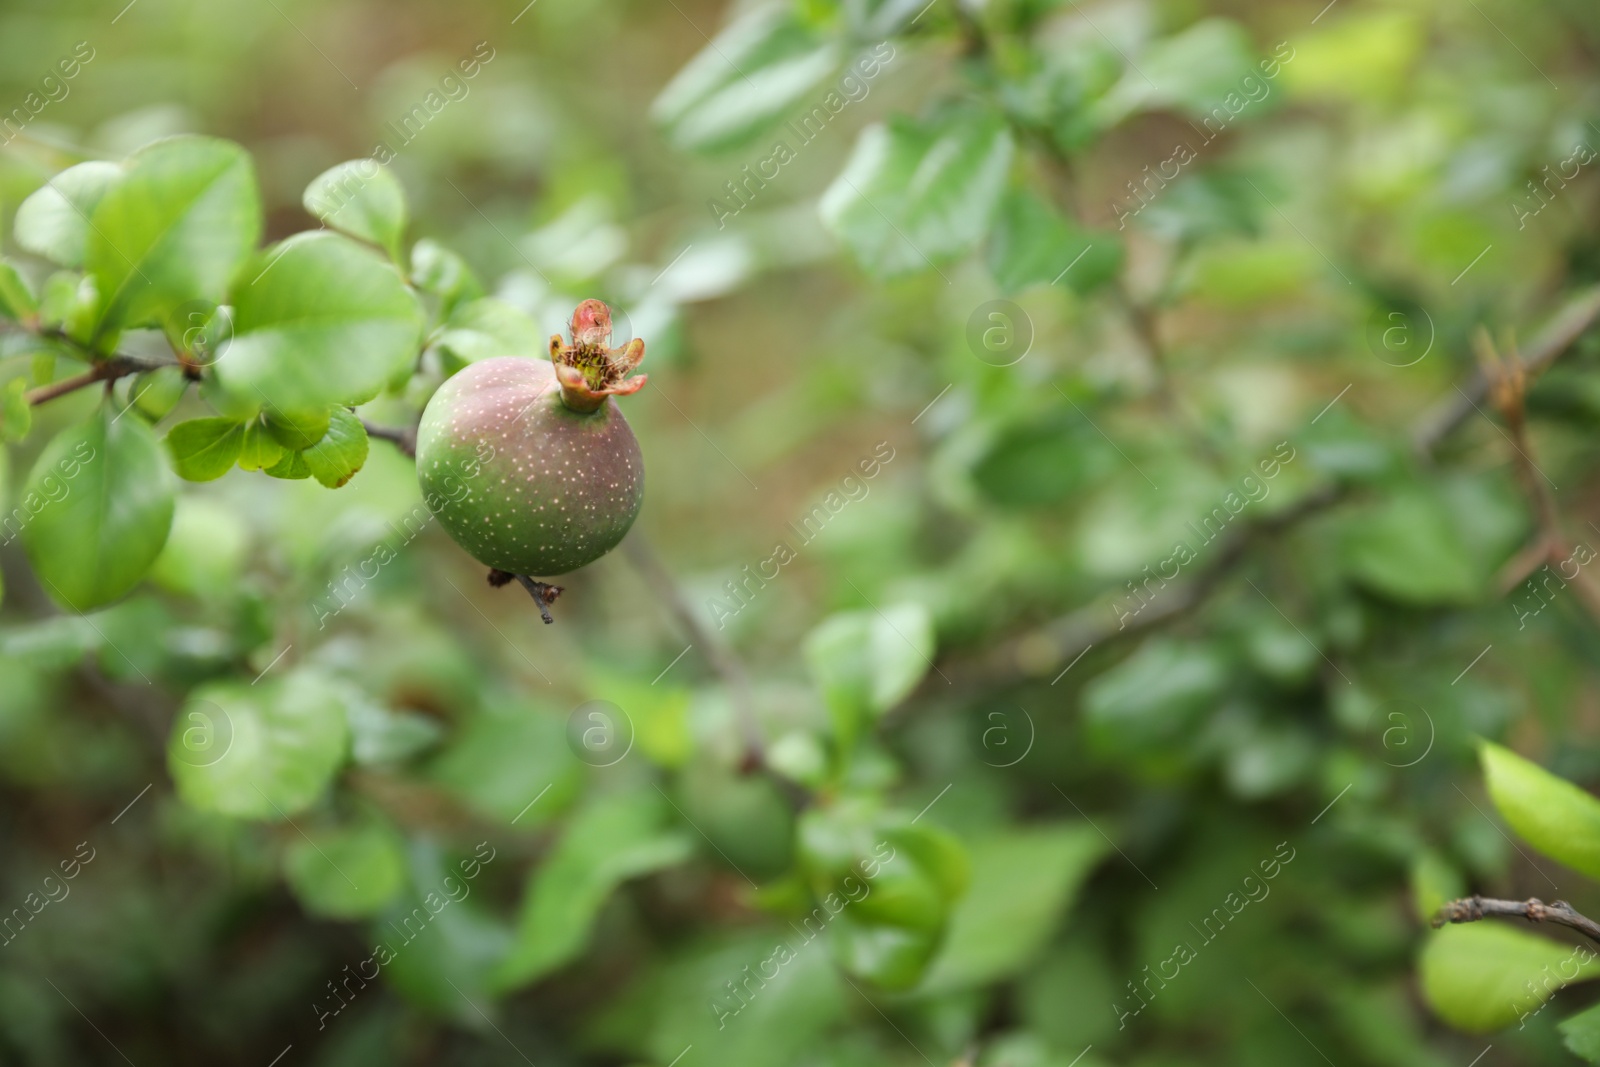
point(543, 595)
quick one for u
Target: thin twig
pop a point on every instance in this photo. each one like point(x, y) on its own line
point(1058, 641)
point(1508, 381)
point(543, 594)
point(405, 439)
point(1039, 651)
point(1570, 323)
point(717, 651)
point(1471, 909)
point(105, 371)
point(1520, 567)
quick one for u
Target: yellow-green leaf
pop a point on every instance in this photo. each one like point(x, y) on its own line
point(1550, 813)
point(1483, 976)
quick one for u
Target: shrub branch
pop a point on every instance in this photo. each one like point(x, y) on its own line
point(721, 656)
point(1559, 334)
point(105, 371)
point(403, 438)
point(1471, 909)
point(1058, 641)
point(1508, 378)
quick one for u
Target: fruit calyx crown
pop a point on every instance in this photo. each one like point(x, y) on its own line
point(589, 370)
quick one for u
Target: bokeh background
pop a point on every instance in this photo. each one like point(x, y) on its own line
point(1116, 754)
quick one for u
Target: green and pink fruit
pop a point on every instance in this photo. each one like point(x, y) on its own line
point(530, 465)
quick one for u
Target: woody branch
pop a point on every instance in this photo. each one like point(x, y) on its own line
point(1471, 909)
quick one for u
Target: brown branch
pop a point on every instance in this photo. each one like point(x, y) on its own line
point(105, 371)
point(1060, 641)
point(405, 439)
point(1559, 334)
point(1506, 385)
point(1471, 909)
point(1057, 643)
point(1507, 378)
point(1520, 567)
point(717, 651)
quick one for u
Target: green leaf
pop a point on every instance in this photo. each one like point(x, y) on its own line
point(1152, 698)
point(342, 451)
point(208, 547)
point(793, 1020)
point(81, 317)
point(917, 194)
point(1549, 813)
point(866, 662)
point(298, 430)
point(501, 760)
point(1434, 883)
point(746, 819)
point(439, 945)
point(1039, 461)
point(1581, 1034)
point(1033, 245)
point(17, 301)
point(346, 872)
point(291, 467)
point(888, 885)
point(16, 414)
point(58, 298)
point(1241, 274)
point(1483, 976)
point(614, 839)
point(262, 750)
point(888, 956)
point(318, 320)
point(1022, 883)
point(1207, 204)
point(381, 735)
point(258, 450)
point(205, 449)
point(176, 228)
point(1363, 59)
point(54, 221)
point(876, 20)
point(438, 270)
point(1195, 71)
point(155, 393)
point(744, 80)
point(363, 199)
point(105, 502)
point(199, 331)
point(486, 328)
point(1411, 548)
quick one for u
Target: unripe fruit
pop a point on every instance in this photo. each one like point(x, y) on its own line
point(530, 465)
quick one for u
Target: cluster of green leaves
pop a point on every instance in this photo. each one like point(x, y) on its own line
point(284, 340)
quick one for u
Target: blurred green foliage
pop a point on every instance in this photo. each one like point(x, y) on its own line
point(1080, 564)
